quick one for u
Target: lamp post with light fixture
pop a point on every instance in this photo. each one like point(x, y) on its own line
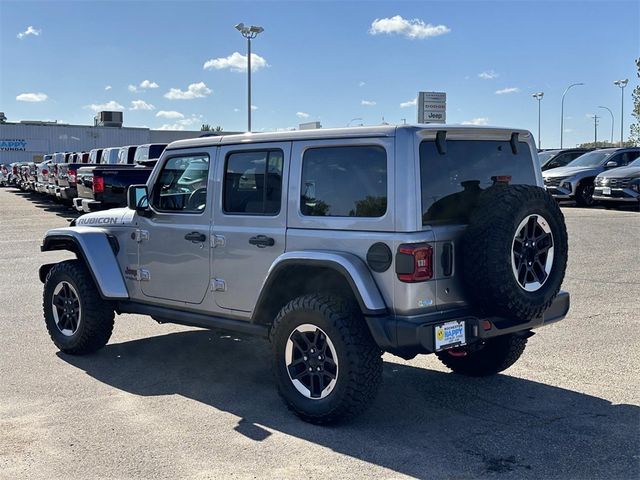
point(538, 96)
point(562, 110)
point(249, 33)
point(610, 113)
point(621, 84)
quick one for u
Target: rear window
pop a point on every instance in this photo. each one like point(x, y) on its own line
point(452, 182)
point(344, 182)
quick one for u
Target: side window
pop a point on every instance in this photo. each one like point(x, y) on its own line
point(182, 185)
point(344, 182)
point(253, 182)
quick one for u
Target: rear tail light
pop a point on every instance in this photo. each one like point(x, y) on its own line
point(414, 262)
point(72, 176)
point(98, 184)
point(45, 171)
point(55, 170)
point(15, 170)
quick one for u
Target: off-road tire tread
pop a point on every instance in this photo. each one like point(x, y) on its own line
point(364, 356)
point(486, 271)
point(497, 355)
point(98, 314)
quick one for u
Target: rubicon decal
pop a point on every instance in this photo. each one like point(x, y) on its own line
point(97, 221)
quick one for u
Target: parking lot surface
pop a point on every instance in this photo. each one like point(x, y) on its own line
point(171, 402)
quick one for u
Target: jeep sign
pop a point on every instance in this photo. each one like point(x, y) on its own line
point(432, 107)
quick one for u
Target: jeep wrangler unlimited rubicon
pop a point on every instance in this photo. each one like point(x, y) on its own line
point(337, 245)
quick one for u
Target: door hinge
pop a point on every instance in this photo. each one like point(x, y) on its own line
point(218, 285)
point(140, 235)
point(138, 274)
point(218, 241)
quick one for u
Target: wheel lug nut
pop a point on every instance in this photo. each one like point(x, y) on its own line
point(312, 350)
point(318, 369)
point(310, 369)
point(305, 358)
point(319, 357)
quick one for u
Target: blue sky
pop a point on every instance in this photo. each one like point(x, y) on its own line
point(326, 61)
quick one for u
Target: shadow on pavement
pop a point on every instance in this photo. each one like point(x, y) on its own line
point(424, 423)
point(48, 204)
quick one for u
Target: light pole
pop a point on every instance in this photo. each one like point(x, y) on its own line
point(562, 110)
point(610, 113)
point(249, 33)
point(621, 84)
point(538, 96)
point(595, 130)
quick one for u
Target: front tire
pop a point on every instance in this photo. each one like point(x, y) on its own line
point(584, 195)
point(79, 321)
point(326, 365)
point(496, 355)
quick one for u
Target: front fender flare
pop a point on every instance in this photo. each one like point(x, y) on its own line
point(93, 247)
point(351, 267)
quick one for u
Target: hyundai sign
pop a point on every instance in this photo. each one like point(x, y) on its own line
point(432, 107)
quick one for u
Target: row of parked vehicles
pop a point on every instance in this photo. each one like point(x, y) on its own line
point(608, 175)
point(90, 181)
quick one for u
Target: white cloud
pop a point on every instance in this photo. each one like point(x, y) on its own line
point(132, 88)
point(477, 121)
point(141, 105)
point(254, 107)
point(302, 114)
point(236, 109)
point(183, 123)
point(169, 114)
point(368, 103)
point(507, 90)
point(194, 90)
point(488, 75)
point(110, 105)
point(148, 84)
point(236, 62)
point(29, 31)
point(32, 97)
point(361, 83)
point(108, 87)
point(413, 29)
point(409, 103)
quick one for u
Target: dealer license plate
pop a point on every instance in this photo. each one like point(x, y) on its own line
point(450, 334)
point(606, 190)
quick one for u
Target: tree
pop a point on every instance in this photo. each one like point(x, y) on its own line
point(634, 133)
point(208, 128)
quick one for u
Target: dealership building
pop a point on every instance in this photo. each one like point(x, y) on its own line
point(29, 141)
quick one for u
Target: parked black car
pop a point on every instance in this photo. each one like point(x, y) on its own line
point(559, 158)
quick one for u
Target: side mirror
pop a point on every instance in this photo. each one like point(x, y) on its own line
point(611, 164)
point(138, 198)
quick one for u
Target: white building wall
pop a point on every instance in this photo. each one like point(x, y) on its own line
point(34, 141)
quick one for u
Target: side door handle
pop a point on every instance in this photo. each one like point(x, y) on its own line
point(262, 241)
point(195, 237)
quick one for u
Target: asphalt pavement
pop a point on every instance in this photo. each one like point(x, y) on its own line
point(163, 401)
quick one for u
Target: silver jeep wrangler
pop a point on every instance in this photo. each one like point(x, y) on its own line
point(336, 244)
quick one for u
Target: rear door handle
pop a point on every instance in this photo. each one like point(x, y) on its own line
point(262, 241)
point(195, 237)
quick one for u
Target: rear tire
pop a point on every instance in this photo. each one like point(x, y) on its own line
point(496, 355)
point(79, 321)
point(317, 328)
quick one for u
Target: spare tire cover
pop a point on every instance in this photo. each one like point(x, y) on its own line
point(514, 251)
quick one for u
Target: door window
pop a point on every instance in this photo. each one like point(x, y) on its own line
point(253, 182)
point(182, 185)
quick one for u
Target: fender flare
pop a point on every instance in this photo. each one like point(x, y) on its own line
point(351, 267)
point(96, 248)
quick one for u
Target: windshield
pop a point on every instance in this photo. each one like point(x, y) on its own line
point(591, 159)
point(452, 182)
point(635, 163)
point(546, 156)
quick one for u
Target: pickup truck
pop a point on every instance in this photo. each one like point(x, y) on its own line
point(52, 178)
point(105, 186)
point(67, 172)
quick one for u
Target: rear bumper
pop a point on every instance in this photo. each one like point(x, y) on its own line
point(88, 205)
point(68, 193)
point(560, 193)
point(409, 336)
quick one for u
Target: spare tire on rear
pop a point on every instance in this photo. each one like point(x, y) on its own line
point(514, 251)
